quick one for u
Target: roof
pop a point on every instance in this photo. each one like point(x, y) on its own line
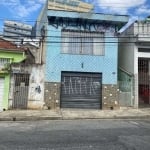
point(7, 45)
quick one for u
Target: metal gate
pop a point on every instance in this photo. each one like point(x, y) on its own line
point(144, 81)
point(21, 91)
point(1, 91)
point(81, 90)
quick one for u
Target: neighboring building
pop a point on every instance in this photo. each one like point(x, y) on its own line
point(9, 54)
point(27, 77)
point(21, 76)
point(16, 31)
point(81, 52)
point(32, 70)
point(134, 64)
point(1, 34)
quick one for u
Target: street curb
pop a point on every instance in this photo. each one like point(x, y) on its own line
point(29, 118)
point(71, 116)
point(34, 118)
point(107, 118)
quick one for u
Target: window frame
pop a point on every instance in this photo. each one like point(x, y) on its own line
point(82, 36)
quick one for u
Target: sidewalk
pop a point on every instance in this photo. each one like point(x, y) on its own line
point(32, 115)
point(122, 113)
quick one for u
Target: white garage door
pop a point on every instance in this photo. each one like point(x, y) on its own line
point(1, 91)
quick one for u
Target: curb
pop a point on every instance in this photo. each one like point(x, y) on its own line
point(107, 118)
point(74, 118)
point(30, 118)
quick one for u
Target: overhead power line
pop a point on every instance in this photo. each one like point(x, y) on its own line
point(52, 41)
point(75, 37)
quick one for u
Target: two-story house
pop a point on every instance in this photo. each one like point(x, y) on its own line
point(9, 53)
point(81, 58)
point(134, 63)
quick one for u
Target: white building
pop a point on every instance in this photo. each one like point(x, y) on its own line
point(16, 31)
point(134, 64)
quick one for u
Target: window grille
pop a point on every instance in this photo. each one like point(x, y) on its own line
point(81, 42)
point(3, 62)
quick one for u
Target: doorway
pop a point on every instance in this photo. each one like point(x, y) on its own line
point(21, 88)
point(144, 82)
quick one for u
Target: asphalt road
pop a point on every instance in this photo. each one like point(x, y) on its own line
point(75, 135)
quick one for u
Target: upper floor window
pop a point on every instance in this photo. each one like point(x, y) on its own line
point(82, 42)
point(4, 62)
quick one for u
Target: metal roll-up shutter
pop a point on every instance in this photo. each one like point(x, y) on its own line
point(1, 92)
point(81, 90)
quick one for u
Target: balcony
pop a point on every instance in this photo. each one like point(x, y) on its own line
point(143, 38)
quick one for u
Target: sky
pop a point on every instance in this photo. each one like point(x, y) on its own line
point(27, 11)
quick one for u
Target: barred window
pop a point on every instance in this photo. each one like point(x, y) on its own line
point(3, 62)
point(88, 43)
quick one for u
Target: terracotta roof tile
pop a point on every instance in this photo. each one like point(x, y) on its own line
point(4, 44)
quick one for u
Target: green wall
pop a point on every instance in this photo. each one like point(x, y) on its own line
point(15, 57)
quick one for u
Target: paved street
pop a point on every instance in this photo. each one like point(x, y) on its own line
point(75, 135)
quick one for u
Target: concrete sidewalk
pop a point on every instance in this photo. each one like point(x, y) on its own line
point(32, 115)
point(122, 113)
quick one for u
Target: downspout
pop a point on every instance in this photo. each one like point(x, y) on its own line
point(42, 41)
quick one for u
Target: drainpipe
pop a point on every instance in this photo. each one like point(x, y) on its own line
point(42, 42)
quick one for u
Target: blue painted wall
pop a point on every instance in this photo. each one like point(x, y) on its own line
point(57, 62)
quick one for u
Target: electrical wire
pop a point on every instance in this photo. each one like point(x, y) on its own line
point(84, 37)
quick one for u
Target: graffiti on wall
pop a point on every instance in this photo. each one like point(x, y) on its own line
point(82, 24)
point(80, 86)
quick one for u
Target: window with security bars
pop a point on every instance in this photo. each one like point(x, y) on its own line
point(81, 42)
point(4, 62)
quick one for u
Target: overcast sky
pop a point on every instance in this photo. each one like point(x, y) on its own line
point(28, 10)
